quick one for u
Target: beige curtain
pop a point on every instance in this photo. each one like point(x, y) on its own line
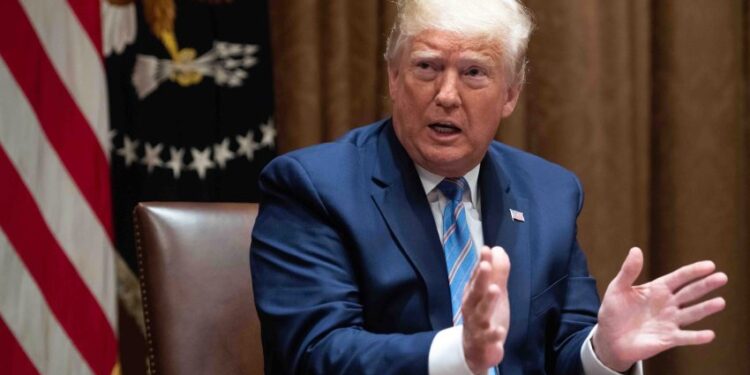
point(646, 100)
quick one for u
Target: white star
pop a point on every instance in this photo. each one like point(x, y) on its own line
point(234, 48)
point(222, 153)
point(249, 62)
point(201, 161)
point(175, 162)
point(152, 158)
point(248, 146)
point(128, 151)
point(269, 134)
point(250, 49)
point(241, 74)
point(234, 81)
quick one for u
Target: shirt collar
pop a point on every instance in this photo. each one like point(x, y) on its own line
point(430, 180)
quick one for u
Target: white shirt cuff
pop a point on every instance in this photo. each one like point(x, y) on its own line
point(593, 366)
point(447, 353)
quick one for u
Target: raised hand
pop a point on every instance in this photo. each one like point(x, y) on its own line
point(486, 310)
point(638, 322)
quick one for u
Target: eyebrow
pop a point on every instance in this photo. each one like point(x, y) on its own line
point(480, 58)
point(470, 56)
point(425, 54)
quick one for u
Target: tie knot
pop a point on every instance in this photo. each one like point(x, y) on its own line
point(453, 188)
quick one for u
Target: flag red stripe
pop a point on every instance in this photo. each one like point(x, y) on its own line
point(88, 14)
point(68, 297)
point(12, 357)
point(62, 121)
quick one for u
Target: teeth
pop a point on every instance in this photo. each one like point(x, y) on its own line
point(444, 124)
point(444, 128)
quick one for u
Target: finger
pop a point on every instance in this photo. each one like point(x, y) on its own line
point(482, 313)
point(476, 290)
point(692, 314)
point(501, 266)
point(491, 336)
point(495, 335)
point(682, 338)
point(485, 254)
point(488, 348)
point(630, 269)
point(685, 274)
point(700, 288)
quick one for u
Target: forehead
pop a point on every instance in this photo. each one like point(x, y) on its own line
point(437, 43)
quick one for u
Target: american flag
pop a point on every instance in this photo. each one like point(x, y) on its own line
point(517, 216)
point(58, 309)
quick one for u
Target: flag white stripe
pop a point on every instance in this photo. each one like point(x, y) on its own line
point(24, 310)
point(65, 211)
point(75, 59)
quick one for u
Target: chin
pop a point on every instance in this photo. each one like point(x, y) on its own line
point(446, 166)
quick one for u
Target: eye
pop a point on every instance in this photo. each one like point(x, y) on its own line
point(425, 70)
point(475, 72)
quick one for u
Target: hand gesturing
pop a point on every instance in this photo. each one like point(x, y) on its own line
point(486, 310)
point(638, 322)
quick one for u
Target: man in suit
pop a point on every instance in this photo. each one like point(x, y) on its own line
point(368, 254)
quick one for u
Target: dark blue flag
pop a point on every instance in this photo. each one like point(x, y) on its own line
point(191, 105)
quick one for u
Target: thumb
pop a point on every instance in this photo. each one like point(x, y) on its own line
point(631, 268)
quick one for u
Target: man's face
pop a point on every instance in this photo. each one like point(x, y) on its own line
point(449, 94)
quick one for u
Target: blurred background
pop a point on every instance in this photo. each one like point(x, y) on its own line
point(647, 101)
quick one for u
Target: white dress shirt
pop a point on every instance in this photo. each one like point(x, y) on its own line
point(446, 355)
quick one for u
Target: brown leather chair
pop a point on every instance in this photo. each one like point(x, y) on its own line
point(197, 295)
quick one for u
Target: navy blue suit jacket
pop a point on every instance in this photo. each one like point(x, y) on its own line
point(349, 275)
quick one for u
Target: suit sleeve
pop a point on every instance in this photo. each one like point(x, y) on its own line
point(579, 310)
point(306, 291)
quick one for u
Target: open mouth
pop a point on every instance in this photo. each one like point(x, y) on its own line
point(444, 128)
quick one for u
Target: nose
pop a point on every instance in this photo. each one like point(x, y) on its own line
point(448, 95)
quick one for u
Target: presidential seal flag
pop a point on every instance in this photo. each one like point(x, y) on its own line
point(58, 309)
point(191, 103)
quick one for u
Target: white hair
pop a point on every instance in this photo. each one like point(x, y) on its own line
point(506, 22)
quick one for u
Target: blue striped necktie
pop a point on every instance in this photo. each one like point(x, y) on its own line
point(460, 253)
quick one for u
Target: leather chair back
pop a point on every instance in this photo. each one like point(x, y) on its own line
point(197, 295)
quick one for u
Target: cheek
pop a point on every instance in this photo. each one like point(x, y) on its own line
point(485, 114)
point(418, 93)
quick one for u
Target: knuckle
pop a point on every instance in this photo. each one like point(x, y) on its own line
point(501, 331)
point(484, 324)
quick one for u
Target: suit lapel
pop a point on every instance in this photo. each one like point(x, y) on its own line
point(400, 197)
point(499, 229)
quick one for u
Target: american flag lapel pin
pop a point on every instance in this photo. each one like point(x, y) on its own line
point(517, 216)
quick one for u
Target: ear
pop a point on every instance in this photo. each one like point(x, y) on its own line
point(514, 91)
point(393, 73)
